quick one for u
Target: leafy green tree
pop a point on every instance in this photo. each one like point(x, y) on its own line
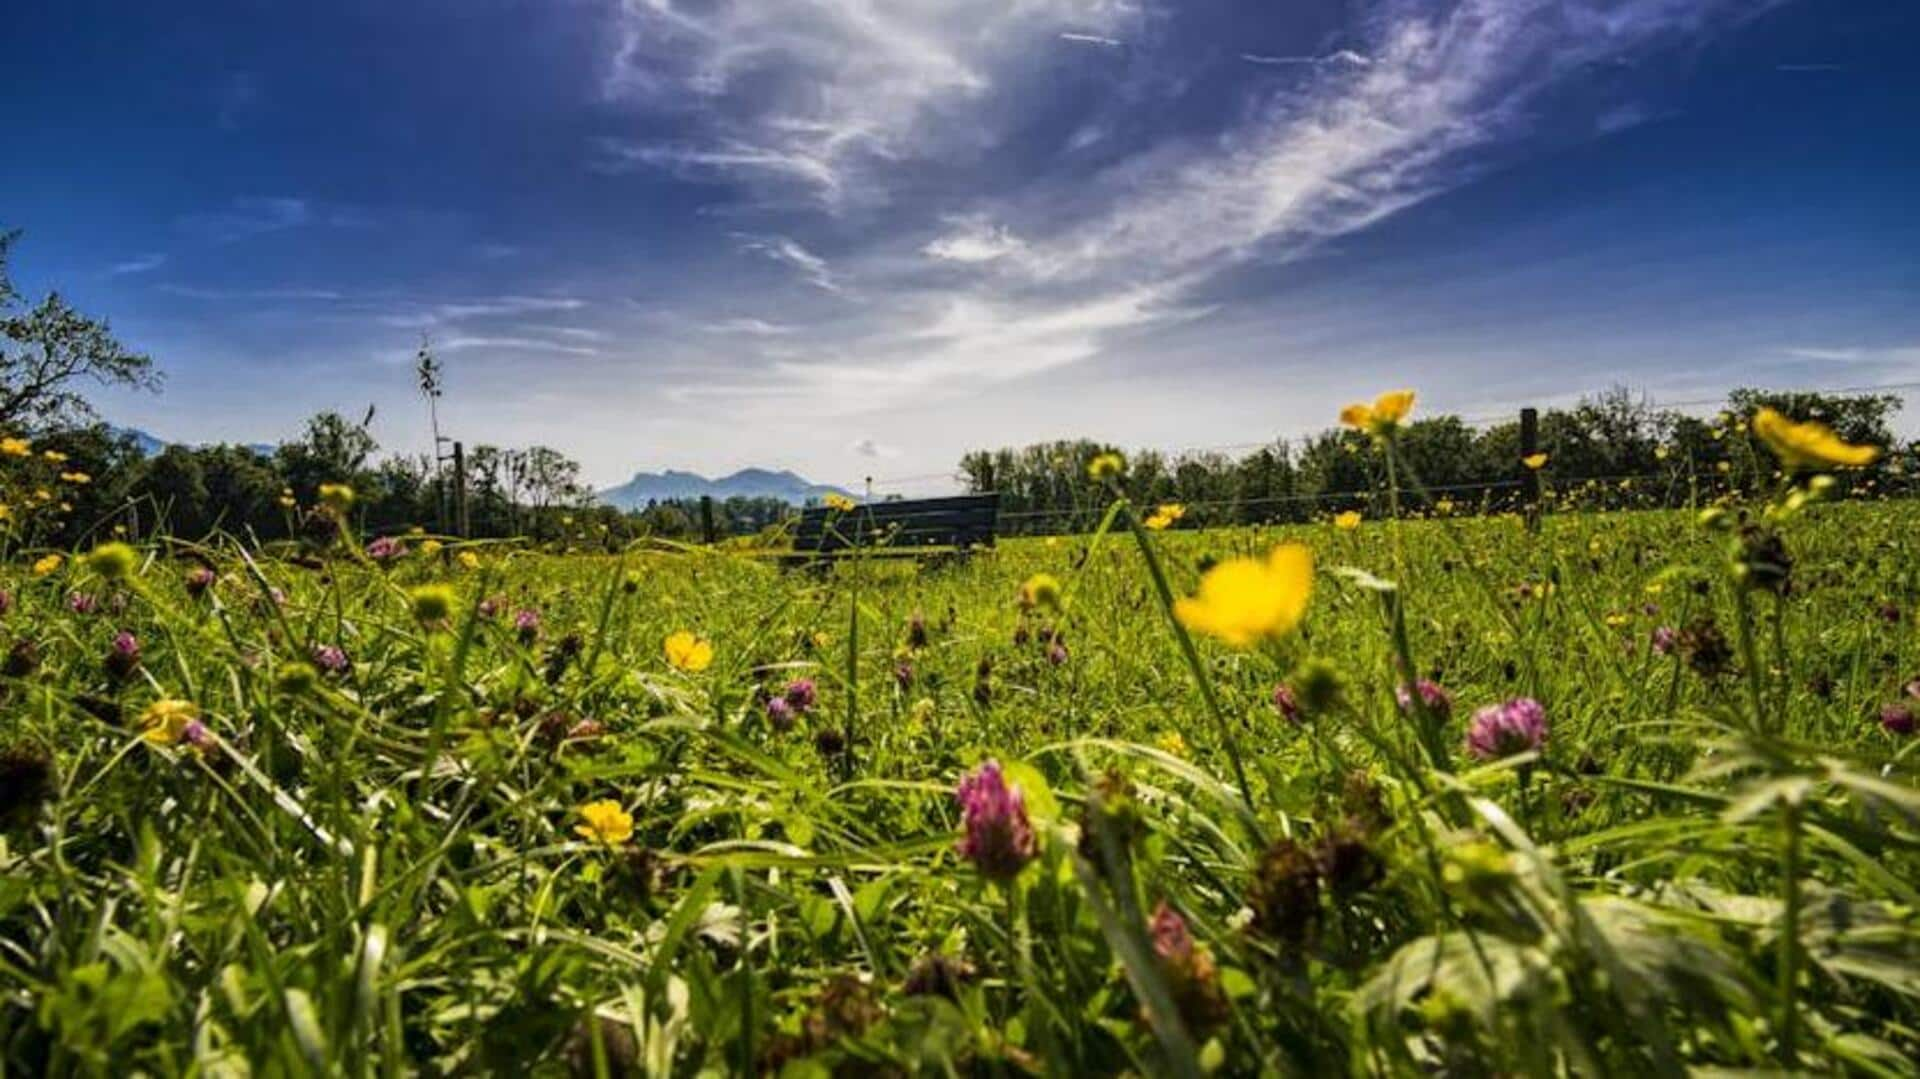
point(175, 485)
point(1335, 469)
point(48, 351)
point(244, 488)
point(332, 449)
point(1864, 419)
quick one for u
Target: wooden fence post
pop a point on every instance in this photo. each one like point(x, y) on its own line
point(462, 524)
point(1530, 445)
point(706, 518)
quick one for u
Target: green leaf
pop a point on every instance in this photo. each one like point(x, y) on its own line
point(1041, 804)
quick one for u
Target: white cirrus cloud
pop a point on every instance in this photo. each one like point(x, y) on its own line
point(812, 269)
point(974, 240)
point(1070, 266)
point(1445, 88)
point(1092, 39)
point(1904, 356)
point(512, 344)
point(822, 92)
point(139, 264)
point(200, 292)
point(748, 327)
point(1338, 57)
point(867, 447)
point(428, 315)
point(245, 218)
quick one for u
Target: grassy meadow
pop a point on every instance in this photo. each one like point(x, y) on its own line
point(486, 808)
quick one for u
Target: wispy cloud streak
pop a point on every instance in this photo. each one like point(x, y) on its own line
point(139, 264)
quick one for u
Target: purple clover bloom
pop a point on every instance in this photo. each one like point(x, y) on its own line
point(780, 714)
point(123, 655)
point(999, 839)
point(386, 549)
point(1171, 940)
point(1897, 718)
point(1437, 701)
point(197, 737)
point(1285, 703)
point(1507, 729)
point(1665, 640)
point(330, 658)
point(83, 602)
point(526, 623)
point(801, 694)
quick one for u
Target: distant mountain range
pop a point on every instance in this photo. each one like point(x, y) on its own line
point(151, 446)
point(647, 487)
point(636, 493)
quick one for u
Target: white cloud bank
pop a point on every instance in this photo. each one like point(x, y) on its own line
point(833, 96)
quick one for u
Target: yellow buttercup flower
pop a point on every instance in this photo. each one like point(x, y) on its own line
point(433, 604)
point(1106, 466)
point(1348, 521)
point(687, 652)
point(429, 548)
point(1040, 590)
point(16, 447)
point(1170, 743)
point(113, 560)
point(1661, 453)
point(337, 497)
point(605, 822)
point(1381, 418)
point(165, 721)
point(838, 502)
point(55, 457)
point(469, 560)
point(47, 564)
point(1243, 600)
point(1165, 515)
point(1808, 445)
point(1535, 461)
point(78, 479)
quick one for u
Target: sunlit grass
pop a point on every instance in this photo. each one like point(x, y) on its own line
point(414, 829)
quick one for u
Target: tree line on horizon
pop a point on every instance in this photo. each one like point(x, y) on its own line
point(1613, 450)
point(83, 478)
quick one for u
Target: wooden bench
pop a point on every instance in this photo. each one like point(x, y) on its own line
point(919, 528)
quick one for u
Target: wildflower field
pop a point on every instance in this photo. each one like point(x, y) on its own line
point(1620, 794)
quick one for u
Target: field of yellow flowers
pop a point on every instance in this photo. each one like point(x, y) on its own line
point(1627, 794)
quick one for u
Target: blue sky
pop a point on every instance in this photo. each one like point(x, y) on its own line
point(858, 237)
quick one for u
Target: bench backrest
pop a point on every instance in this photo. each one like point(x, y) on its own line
point(960, 521)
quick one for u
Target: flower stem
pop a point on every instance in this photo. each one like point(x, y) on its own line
point(1194, 665)
point(1789, 962)
point(1750, 655)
